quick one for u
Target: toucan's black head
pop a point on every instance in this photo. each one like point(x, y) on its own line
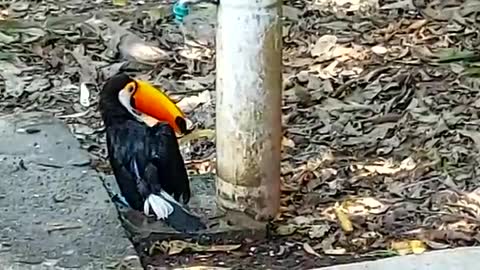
point(110, 106)
point(114, 85)
point(123, 98)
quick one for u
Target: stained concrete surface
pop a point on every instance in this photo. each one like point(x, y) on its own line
point(54, 211)
point(448, 259)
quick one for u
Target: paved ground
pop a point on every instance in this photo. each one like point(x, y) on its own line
point(449, 259)
point(54, 209)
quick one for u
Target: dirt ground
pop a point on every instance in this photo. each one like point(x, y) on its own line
point(381, 99)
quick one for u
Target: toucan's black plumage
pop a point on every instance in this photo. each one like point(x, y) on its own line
point(146, 161)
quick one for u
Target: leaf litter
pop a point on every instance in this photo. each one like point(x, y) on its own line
point(382, 135)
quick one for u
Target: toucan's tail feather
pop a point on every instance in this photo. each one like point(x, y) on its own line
point(183, 221)
point(166, 208)
point(160, 206)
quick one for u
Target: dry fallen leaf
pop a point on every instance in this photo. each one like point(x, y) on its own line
point(143, 53)
point(286, 142)
point(330, 71)
point(417, 24)
point(120, 3)
point(343, 219)
point(417, 246)
point(324, 46)
point(130, 45)
point(318, 231)
point(389, 167)
point(177, 246)
point(335, 251)
point(409, 246)
point(188, 104)
point(284, 230)
point(197, 133)
point(364, 206)
point(310, 250)
point(401, 247)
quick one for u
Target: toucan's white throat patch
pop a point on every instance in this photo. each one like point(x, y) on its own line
point(125, 98)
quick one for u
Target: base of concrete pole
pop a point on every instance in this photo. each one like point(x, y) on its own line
point(222, 227)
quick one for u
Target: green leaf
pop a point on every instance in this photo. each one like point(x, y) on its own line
point(472, 71)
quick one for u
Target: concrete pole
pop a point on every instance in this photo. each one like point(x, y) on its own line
point(248, 106)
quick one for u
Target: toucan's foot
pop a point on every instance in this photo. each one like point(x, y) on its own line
point(119, 200)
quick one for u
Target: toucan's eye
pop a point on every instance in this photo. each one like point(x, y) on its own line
point(130, 88)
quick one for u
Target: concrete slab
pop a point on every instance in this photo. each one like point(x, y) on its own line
point(448, 259)
point(54, 211)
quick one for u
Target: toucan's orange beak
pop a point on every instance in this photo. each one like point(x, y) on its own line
point(155, 103)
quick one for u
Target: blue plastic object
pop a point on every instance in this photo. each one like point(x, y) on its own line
point(180, 11)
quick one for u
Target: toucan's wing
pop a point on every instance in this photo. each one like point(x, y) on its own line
point(126, 152)
point(164, 154)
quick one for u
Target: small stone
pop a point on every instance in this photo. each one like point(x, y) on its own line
point(379, 50)
point(60, 198)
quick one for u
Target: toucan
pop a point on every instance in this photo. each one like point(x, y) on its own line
point(144, 154)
